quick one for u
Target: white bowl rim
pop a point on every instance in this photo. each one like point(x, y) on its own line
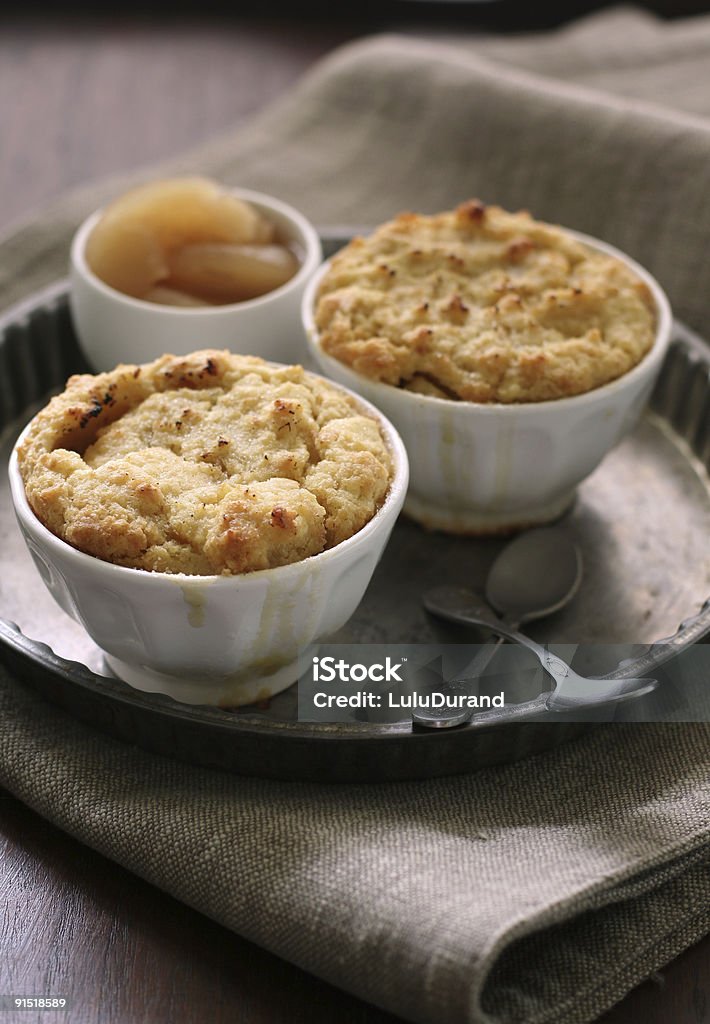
point(397, 490)
point(312, 257)
point(462, 407)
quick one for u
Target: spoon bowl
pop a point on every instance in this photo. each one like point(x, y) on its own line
point(535, 575)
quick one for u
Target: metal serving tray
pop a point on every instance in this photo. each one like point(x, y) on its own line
point(642, 521)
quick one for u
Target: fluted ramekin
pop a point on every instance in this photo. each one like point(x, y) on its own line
point(219, 640)
point(484, 468)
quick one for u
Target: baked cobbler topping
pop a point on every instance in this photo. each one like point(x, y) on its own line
point(483, 305)
point(211, 463)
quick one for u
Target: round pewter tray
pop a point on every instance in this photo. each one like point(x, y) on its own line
point(642, 521)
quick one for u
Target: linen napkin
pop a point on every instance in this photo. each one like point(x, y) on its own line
point(535, 892)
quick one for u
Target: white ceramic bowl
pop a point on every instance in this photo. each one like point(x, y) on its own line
point(493, 468)
point(220, 640)
point(115, 328)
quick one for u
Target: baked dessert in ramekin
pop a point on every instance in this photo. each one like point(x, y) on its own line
point(510, 354)
point(207, 518)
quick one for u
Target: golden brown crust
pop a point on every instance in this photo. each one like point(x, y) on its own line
point(483, 305)
point(206, 464)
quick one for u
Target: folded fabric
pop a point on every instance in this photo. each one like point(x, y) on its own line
point(541, 891)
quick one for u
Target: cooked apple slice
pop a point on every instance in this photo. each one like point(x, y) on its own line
point(172, 297)
point(230, 273)
point(184, 210)
point(126, 255)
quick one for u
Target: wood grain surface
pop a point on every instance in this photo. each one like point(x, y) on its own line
point(81, 99)
point(78, 100)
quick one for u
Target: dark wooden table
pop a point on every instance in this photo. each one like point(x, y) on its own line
point(79, 100)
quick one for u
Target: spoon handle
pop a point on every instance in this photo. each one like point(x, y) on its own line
point(457, 604)
point(445, 717)
point(572, 692)
point(460, 605)
point(482, 658)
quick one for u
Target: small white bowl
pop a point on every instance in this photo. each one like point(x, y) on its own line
point(485, 468)
point(219, 640)
point(116, 328)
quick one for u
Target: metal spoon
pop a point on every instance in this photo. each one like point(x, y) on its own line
point(571, 689)
point(534, 575)
point(542, 587)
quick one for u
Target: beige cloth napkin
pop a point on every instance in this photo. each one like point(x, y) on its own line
point(536, 892)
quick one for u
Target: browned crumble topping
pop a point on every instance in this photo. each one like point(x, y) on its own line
point(515, 310)
point(212, 463)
